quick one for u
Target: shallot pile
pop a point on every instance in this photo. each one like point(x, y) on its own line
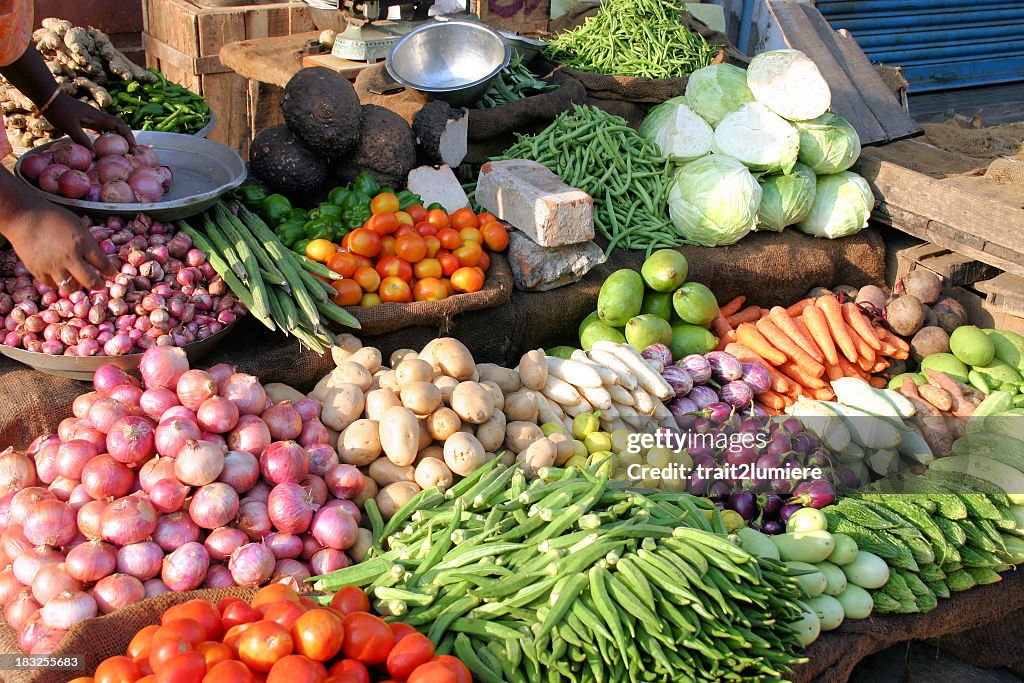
point(165, 294)
point(192, 479)
point(107, 173)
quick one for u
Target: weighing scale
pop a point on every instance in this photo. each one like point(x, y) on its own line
point(369, 34)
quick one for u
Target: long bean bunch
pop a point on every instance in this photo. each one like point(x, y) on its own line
point(514, 82)
point(599, 153)
point(634, 38)
point(572, 578)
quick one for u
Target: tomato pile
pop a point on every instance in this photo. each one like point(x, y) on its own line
point(412, 255)
point(278, 637)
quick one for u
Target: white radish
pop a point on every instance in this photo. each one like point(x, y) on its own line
point(645, 376)
point(573, 372)
point(608, 378)
point(612, 362)
point(621, 395)
point(599, 397)
point(560, 391)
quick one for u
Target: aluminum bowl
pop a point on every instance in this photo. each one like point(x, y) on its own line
point(454, 61)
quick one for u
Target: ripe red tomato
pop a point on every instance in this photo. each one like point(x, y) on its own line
point(462, 674)
point(263, 644)
point(117, 670)
point(234, 635)
point(284, 612)
point(142, 642)
point(203, 611)
point(231, 671)
point(318, 634)
point(384, 223)
point(350, 599)
point(187, 667)
point(164, 650)
point(394, 290)
point(352, 669)
point(214, 653)
point(296, 669)
point(223, 603)
point(367, 638)
point(400, 630)
point(394, 266)
point(417, 212)
point(464, 218)
point(433, 672)
point(409, 653)
point(449, 238)
point(241, 612)
point(189, 630)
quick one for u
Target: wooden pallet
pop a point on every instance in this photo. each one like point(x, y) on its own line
point(955, 269)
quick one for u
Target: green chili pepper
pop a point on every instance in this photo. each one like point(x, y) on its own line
point(338, 195)
point(366, 184)
point(275, 207)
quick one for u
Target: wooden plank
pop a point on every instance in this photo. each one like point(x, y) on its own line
point(524, 16)
point(955, 269)
point(800, 34)
point(872, 90)
point(1004, 293)
point(166, 53)
point(345, 67)
point(227, 95)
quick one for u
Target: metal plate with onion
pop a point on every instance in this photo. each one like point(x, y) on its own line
point(204, 170)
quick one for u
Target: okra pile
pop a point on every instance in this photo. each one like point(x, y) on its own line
point(573, 578)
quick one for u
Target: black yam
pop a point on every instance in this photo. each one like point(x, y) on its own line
point(322, 107)
point(442, 134)
point(386, 149)
point(280, 159)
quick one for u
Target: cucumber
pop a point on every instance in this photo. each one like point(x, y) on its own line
point(867, 430)
point(867, 570)
point(989, 444)
point(1009, 478)
point(812, 581)
point(995, 403)
point(834, 577)
point(756, 543)
point(856, 602)
point(860, 395)
point(804, 546)
point(829, 611)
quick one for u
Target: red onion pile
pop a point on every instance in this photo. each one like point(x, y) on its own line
point(165, 294)
point(139, 494)
point(107, 173)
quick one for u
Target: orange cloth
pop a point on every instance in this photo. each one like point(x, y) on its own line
point(15, 34)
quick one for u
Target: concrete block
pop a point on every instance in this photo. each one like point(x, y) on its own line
point(538, 269)
point(438, 185)
point(534, 200)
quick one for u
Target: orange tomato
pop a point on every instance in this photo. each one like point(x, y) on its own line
point(284, 612)
point(367, 638)
point(425, 229)
point(234, 635)
point(464, 218)
point(448, 285)
point(350, 599)
point(343, 263)
point(352, 669)
point(428, 267)
point(433, 245)
point(348, 292)
point(401, 630)
point(429, 289)
point(263, 644)
point(272, 593)
point(486, 217)
point(318, 634)
point(189, 630)
point(387, 247)
point(412, 248)
point(384, 223)
point(297, 669)
point(370, 299)
point(417, 213)
point(393, 266)
point(405, 230)
point(449, 238)
point(383, 203)
point(363, 262)
point(119, 669)
point(203, 611)
point(320, 250)
point(187, 667)
point(495, 236)
point(471, 235)
point(449, 264)
point(148, 678)
point(142, 642)
point(485, 261)
point(404, 218)
point(231, 671)
point(346, 241)
point(82, 679)
point(214, 652)
point(364, 242)
point(462, 674)
point(438, 218)
point(469, 253)
point(394, 290)
point(467, 280)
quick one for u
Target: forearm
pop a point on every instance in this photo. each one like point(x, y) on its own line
point(30, 75)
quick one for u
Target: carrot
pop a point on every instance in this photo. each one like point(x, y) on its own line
point(817, 327)
point(789, 400)
point(895, 339)
point(764, 313)
point(720, 326)
point(865, 354)
point(861, 325)
point(851, 370)
point(725, 340)
point(747, 315)
point(888, 350)
point(779, 383)
point(825, 394)
point(749, 336)
point(829, 305)
point(881, 365)
point(799, 375)
point(732, 306)
point(798, 308)
point(833, 372)
point(772, 400)
point(779, 340)
point(865, 364)
point(877, 382)
point(771, 412)
point(792, 330)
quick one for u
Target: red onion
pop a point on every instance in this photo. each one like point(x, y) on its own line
point(91, 561)
point(250, 435)
point(79, 497)
point(284, 546)
point(316, 488)
point(168, 495)
point(5, 510)
point(20, 609)
point(84, 430)
point(308, 409)
point(218, 576)
point(344, 481)
point(61, 488)
point(46, 463)
point(173, 433)
point(163, 366)
point(214, 505)
point(28, 563)
point(113, 170)
point(32, 165)
point(199, 463)
point(127, 395)
point(218, 415)
point(194, 387)
point(154, 471)
point(9, 585)
point(141, 560)
point(283, 420)
point(334, 528)
point(146, 189)
point(216, 439)
point(24, 502)
point(328, 560)
point(49, 177)
point(128, 520)
point(68, 608)
point(252, 564)
point(37, 638)
point(104, 412)
point(73, 456)
point(346, 505)
point(178, 411)
point(246, 392)
point(88, 518)
point(52, 580)
point(74, 156)
point(260, 491)
point(155, 587)
point(73, 184)
point(290, 572)
point(290, 508)
point(284, 461)
point(69, 425)
point(145, 155)
point(131, 440)
point(310, 546)
point(174, 530)
point(78, 540)
point(254, 519)
point(109, 376)
point(80, 406)
point(40, 442)
point(224, 541)
point(110, 144)
point(118, 591)
point(104, 478)
point(157, 401)
point(185, 568)
point(313, 432)
point(16, 471)
point(13, 541)
point(322, 457)
point(51, 522)
point(118, 345)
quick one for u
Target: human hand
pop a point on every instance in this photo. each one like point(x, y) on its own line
point(73, 117)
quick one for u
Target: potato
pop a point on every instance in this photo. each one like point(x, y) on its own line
point(414, 370)
point(389, 380)
point(497, 395)
point(521, 405)
point(453, 358)
point(350, 372)
point(400, 435)
point(364, 541)
point(472, 402)
point(427, 352)
point(565, 447)
point(463, 454)
point(434, 452)
point(359, 444)
point(533, 370)
point(346, 346)
point(541, 453)
point(278, 392)
point(519, 435)
point(442, 423)
point(433, 472)
point(422, 398)
point(425, 438)
point(447, 385)
point(506, 378)
point(385, 472)
point(369, 491)
point(379, 400)
point(368, 357)
point(491, 434)
point(332, 438)
point(393, 496)
point(508, 458)
point(399, 355)
point(467, 428)
point(343, 405)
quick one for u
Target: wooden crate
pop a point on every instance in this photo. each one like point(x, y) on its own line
point(955, 269)
point(183, 41)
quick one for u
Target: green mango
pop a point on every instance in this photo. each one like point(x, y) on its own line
point(687, 339)
point(1009, 347)
point(646, 329)
point(593, 329)
point(659, 304)
point(896, 382)
point(665, 270)
point(947, 363)
point(972, 346)
point(621, 297)
point(1000, 372)
point(695, 304)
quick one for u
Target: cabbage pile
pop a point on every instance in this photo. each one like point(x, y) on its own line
point(758, 149)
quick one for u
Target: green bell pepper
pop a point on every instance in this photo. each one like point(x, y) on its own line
point(387, 190)
point(326, 210)
point(300, 246)
point(319, 229)
point(366, 184)
point(338, 195)
point(275, 208)
point(251, 196)
point(407, 199)
point(434, 206)
point(300, 215)
point(290, 232)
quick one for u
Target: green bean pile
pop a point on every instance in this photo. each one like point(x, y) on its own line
point(634, 38)
point(599, 153)
point(162, 106)
point(514, 82)
point(571, 577)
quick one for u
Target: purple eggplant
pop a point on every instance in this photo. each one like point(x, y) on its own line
point(737, 394)
point(681, 409)
point(847, 478)
point(698, 367)
point(702, 396)
point(718, 413)
point(725, 367)
point(773, 528)
point(658, 352)
point(719, 489)
point(791, 425)
point(779, 444)
point(819, 457)
point(678, 379)
point(803, 442)
point(783, 487)
point(815, 494)
point(698, 485)
point(742, 456)
point(770, 506)
point(759, 412)
point(744, 503)
point(757, 377)
point(787, 511)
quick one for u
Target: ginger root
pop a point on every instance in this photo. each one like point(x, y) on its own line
point(98, 93)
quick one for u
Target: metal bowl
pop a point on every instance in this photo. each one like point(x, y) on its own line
point(203, 171)
point(454, 61)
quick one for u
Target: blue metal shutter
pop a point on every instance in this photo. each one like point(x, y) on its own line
point(941, 44)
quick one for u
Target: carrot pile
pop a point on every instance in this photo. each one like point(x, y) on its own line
point(806, 346)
